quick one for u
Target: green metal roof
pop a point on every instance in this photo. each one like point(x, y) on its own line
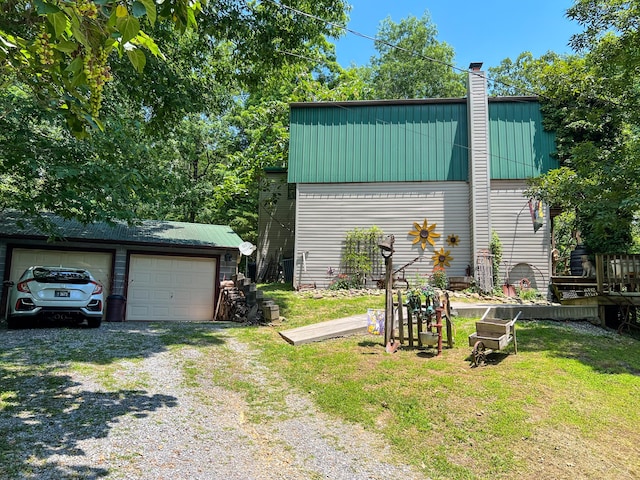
point(378, 141)
point(412, 140)
point(149, 232)
point(519, 146)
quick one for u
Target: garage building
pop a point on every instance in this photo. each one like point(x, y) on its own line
point(165, 270)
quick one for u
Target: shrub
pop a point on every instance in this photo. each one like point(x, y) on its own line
point(439, 278)
point(496, 250)
point(527, 293)
point(344, 282)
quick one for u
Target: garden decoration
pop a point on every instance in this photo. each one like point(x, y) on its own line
point(492, 334)
point(386, 250)
point(424, 233)
point(396, 279)
point(453, 240)
point(442, 258)
point(428, 317)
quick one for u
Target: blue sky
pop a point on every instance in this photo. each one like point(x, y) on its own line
point(478, 31)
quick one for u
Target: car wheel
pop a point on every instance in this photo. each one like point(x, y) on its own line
point(94, 322)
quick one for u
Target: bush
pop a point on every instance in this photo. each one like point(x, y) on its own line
point(527, 293)
point(439, 278)
point(344, 282)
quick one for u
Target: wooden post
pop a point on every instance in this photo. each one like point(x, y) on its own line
point(599, 273)
point(438, 326)
point(400, 317)
point(388, 295)
point(447, 312)
point(410, 326)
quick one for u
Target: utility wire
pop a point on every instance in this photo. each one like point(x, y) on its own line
point(424, 57)
point(412, 53)
point(398, 47)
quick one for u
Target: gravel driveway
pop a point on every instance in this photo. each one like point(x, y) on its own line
point(152, 401)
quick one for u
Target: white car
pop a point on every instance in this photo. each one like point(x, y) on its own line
point(55, 293)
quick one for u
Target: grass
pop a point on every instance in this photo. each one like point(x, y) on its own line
point(564, 407)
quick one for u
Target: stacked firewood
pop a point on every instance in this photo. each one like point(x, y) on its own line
point(240, 301)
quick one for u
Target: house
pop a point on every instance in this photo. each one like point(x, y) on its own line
point(165, 270)
point(458, 164)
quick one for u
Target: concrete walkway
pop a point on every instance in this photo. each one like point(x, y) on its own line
point(357, 324)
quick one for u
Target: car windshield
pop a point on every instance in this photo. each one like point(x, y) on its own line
point(56, 275)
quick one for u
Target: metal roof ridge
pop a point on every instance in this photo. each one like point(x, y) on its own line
point(351, 103)
point(516, 98)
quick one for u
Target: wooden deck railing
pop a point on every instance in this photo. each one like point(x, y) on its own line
point(618, 273)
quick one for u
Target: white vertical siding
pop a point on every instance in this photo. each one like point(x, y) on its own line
point(525, 254)
point(325, 212)
point(479, 168)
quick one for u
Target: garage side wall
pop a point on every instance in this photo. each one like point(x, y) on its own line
point(525, 254)
point(325, 212)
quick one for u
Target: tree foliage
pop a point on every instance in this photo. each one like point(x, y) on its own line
point(46, 169)
point(522, 77)
point(412, 63)
point(181, 140)
point(62, 49)
point(591, 101)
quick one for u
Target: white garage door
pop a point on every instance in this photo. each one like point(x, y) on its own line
point(170, 288)
point(98, 263)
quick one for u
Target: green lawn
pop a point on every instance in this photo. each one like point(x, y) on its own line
point(566, 406)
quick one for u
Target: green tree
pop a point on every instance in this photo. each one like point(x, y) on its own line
point(412, 63)
point(62, 50)
point(522, 77)
point(591, 102)
point(597, 146)
point(183, 142)
point(46, 169)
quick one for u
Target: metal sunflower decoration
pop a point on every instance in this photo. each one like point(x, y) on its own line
point(424, 233)
point(442, 258)
point(453, 240)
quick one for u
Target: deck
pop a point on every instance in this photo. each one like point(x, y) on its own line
point(615, 290)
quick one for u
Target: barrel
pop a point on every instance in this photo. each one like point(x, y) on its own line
point(575, 262)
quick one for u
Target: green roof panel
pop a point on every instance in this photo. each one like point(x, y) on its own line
point(378, 142)
point(413, 141)
point(520, 147)
point(149, 232)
